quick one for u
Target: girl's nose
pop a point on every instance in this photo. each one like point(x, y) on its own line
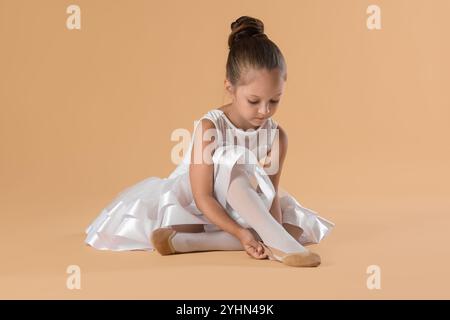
point(264, 110)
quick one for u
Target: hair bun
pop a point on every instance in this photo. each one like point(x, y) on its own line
point(245, 27)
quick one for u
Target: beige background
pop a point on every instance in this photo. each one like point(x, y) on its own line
point(86, 113)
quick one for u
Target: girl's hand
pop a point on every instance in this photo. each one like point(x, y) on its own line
point(251, 246)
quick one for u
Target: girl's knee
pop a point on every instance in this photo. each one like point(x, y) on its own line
point(238, 170)
point(239, 173)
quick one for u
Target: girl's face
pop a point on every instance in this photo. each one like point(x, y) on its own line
point(259, 98)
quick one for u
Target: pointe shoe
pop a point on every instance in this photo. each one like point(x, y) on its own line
point(162, 240)
point(297, 259)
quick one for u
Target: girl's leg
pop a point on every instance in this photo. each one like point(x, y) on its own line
point(205, 241)
point(190, 238)
point(244, 199)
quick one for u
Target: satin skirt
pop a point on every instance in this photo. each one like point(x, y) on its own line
point(128, 221)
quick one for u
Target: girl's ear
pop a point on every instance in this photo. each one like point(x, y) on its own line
point(228, 86)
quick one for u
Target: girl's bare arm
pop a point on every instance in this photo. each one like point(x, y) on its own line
point(201, 175)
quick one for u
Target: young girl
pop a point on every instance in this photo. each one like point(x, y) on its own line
point(225, 194)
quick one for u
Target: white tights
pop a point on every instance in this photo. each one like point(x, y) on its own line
point(244, 199)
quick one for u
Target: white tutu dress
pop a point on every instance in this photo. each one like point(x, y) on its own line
point(127, 222)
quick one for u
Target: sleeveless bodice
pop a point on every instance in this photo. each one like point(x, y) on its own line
point(258, 141)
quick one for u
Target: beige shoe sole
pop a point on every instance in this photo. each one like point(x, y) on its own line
point(300, 259)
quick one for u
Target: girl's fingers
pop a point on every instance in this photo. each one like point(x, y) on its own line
point(256, 251)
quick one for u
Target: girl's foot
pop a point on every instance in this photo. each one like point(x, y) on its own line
point(297, 259)
point(162, 240)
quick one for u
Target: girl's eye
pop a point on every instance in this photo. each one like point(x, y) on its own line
point(256, 102)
